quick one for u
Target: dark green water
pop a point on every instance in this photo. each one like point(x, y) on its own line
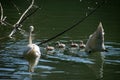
point(53, 17)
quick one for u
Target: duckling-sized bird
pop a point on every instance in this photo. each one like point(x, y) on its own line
point(60, 45)
point(32, 53)
point(50, 49)
point(95, 42)
point(81, 45)
point(74, 45)
point(74, 48)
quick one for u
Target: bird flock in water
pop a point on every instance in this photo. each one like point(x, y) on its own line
point(95, 43)
point(61, 47)
point(32, 52)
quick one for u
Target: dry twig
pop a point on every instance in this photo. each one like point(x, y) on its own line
point(17, 25)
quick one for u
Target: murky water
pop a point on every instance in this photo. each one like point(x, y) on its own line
point(68, 64)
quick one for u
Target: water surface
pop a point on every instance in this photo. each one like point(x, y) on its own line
point(54, 17)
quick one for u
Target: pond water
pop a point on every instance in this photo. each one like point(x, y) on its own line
point(53, 17)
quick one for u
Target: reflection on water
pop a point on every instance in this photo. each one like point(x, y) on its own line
point(61, 65)
point(97, 67)
point(70, 63)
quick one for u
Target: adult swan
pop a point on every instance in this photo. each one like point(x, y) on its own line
point(95, 42)
point(32, 52)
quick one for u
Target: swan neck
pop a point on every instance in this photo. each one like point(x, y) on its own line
point(30, 38)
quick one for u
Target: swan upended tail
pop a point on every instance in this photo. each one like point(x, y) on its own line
point(96, 40)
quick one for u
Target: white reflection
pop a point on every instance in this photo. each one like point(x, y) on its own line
point(97, 67)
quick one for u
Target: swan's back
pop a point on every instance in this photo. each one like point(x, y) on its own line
point(32, 51)
point(96, 40)
point(32, 55)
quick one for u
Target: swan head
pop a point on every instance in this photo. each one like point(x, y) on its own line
point(31, 28)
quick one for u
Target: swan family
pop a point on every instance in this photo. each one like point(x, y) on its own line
point(95, 43)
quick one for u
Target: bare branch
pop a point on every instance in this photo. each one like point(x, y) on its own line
point(1, 13)
point(25, 12)
point(5, 23)
point(13, 31)
point(27, 16)
point(2, 18)
point(15, 6)
point(17, 25)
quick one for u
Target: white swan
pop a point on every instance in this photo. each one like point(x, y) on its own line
point(95, 42)
point(32, 52)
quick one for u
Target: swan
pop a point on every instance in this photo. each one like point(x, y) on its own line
point(32, 53)
point(95, 42)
